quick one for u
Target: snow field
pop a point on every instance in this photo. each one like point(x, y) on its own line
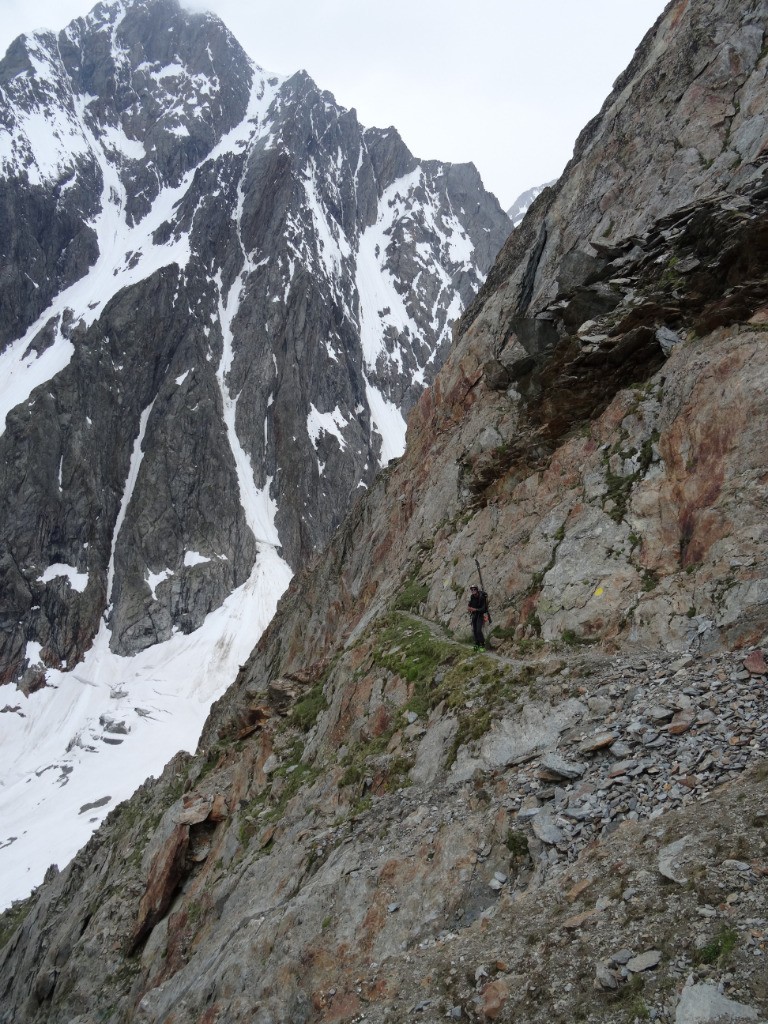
point(60, 756)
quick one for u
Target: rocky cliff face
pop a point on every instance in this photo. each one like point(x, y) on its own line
point(381, 822)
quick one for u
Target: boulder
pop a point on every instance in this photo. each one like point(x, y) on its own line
point(677, 859)
point(755, 664)
point(554, 768)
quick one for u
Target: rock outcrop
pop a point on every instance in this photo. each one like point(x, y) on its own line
point(570, 826)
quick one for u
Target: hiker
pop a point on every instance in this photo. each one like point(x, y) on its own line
point(477, 608)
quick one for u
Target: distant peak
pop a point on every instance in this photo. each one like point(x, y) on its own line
point(519, 208)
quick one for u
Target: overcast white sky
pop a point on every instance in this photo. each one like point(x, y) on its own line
point(507, 84)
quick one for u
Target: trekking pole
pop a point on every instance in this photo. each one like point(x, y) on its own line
point(482, 587)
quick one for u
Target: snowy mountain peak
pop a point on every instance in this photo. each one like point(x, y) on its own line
point(221, 296)
point(519, 208)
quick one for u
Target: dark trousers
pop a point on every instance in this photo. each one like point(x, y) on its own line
point(477, 628)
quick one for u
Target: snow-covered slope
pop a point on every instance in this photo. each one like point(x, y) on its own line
point(72, 751)
point(220, 296)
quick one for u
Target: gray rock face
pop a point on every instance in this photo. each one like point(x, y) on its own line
point(513, 741)
point(225, 269)
point(698, 125)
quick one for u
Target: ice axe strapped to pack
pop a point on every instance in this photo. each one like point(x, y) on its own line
point(483, 591)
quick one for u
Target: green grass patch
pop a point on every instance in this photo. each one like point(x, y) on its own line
point(719, 950)
point(13, 918)
point(572, 639)
point(646, 452)
point(638, 1009)
point(397, 773)
point(618, 487)
point(302, 776)
point(358, 762)
point(618, 490)
point(195, 911)
point(650, 580)
point(362, 805)
point(354, 774)
point(503, 632)
point(307, 710)
point(534, 622)
point(412, 595)
point(409, 650)
point(297, 775)
point(473, 725)
point(529, 645)
point(517, 844)
point(472, 685)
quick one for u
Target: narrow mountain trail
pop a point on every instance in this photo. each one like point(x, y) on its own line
point(443, 634)
point(548, 659)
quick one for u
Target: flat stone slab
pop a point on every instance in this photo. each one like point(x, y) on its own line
point(579, 920)
point(598, 742)
point(682, 721)
point(674, 860)
point(644, 961)
point(622, 956)
point(704, 1004)
point(545, 829)
point(621, 749)
point(554, 767)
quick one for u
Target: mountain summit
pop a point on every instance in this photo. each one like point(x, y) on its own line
point(220, 297)
point(225, 266)
point(521, 205)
